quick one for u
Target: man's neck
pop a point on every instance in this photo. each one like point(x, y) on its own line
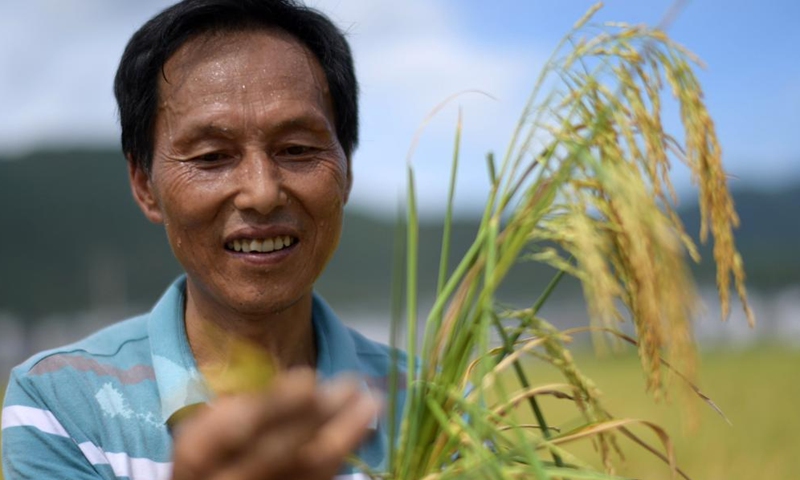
point(213, 331)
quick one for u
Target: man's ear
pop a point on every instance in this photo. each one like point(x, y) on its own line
point(349, 185)
point(143, 194)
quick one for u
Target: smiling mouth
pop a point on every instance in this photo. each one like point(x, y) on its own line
point(267, 245)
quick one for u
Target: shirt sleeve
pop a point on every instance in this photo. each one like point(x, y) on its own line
point(35, 442)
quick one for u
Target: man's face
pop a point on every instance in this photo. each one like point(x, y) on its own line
point(248, 175)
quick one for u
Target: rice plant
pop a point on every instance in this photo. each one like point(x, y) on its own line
point(583, 187)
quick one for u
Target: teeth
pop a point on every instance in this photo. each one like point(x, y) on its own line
point(259, 245)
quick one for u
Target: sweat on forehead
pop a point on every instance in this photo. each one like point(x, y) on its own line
point(215, 52)
point(223, 84)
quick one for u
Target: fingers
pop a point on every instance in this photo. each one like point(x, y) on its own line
point(295, 430)
point(218, 434)
point(345, 430)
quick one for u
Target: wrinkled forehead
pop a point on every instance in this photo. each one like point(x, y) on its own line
point(252, 58)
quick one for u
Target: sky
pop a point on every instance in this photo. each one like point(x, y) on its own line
point(58, 58)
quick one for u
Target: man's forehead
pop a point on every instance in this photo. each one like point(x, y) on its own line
point(218, 56)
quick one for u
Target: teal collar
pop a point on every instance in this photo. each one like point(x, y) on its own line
point(180, 383)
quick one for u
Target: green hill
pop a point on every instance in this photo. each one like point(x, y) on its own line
point(72, 238)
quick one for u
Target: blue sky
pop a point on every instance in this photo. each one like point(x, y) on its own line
point(57, 60)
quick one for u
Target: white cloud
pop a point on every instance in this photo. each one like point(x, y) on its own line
point(411, 56)
point(58, 59)
point(416, 53)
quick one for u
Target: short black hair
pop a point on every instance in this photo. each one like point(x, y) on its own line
point(137, 79)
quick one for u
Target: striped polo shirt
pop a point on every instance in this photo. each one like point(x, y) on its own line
point(99, 408)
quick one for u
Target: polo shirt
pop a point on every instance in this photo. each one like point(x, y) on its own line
point(99, 408)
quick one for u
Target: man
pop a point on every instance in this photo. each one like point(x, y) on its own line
point(239, 119)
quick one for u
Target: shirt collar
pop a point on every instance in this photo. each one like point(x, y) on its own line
point(180, 383)
point(336, 350)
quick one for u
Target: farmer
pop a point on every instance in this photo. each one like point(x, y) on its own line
point(239, 119)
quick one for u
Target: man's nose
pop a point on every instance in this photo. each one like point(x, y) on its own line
point(260, 184)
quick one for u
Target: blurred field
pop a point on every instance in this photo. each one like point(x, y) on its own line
point(757, 388)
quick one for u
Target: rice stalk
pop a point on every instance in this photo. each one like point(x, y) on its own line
point(584, 188)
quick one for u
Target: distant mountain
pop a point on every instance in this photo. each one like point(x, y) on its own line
point(72, 238)
point(768, 237)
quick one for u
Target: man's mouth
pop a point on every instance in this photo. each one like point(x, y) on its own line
point(258, 245)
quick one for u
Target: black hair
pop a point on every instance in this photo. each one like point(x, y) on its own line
point(137, 79)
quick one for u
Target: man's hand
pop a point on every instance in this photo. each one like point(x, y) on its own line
point(295, 430)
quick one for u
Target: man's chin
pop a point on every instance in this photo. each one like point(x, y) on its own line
point(248, 299)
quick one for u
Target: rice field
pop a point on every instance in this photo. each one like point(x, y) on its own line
point(758, 390)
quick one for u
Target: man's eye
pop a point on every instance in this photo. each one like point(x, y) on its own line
point(211, 157)
point(298, 150)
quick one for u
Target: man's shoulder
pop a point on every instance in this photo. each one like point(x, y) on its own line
point(122, 343)
point(367, 347)
point(342, 348)
point(377, 356)
point(86, 398)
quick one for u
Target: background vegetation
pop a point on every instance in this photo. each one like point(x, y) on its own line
point(748, 385)
point(73, 236)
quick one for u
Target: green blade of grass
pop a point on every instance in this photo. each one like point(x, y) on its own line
point(448, 218)
point(394, 334)
point(413, 392)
